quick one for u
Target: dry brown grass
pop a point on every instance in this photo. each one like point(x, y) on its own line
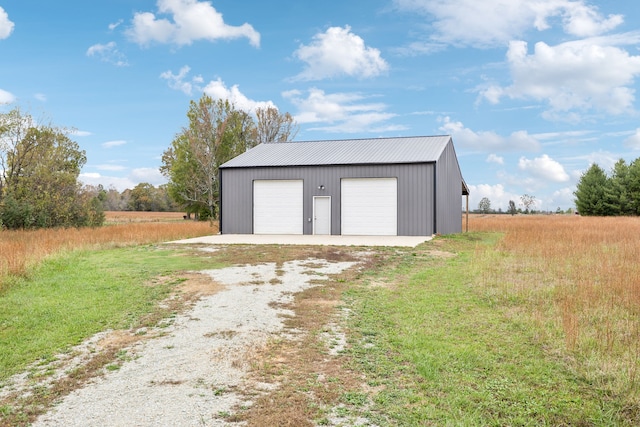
point(22, 249)
point(118, 217)
point(579, 276)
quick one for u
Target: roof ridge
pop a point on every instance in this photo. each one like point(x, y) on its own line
point(391, 150)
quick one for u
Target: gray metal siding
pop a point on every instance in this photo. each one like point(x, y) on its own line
point(448, 193)
point(415, 194)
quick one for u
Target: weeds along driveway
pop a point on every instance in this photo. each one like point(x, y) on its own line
point(194, 373)
point(306, 239)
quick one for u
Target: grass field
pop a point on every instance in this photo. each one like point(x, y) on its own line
point(21, 250)
point(577, 278)
point(525, 320)
point(119, 217)
point(437, 347)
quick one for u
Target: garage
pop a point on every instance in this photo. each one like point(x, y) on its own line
point(369, 206)
point(397, 186)
point(277, 207)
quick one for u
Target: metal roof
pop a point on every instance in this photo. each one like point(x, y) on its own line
point(416, 149)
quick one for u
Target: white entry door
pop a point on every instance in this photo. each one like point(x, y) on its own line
point(277, 207)
point(369, 206)
point(321, 215)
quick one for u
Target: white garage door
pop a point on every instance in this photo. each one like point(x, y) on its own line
point(277, 207)
point(369, 206)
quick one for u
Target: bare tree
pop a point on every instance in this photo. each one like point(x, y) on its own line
point(275, 127)
point(528, 201)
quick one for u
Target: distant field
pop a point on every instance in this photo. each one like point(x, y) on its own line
point(130, 216)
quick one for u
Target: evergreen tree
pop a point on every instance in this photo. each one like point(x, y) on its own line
point(591, 192)
point(633, 188)
point(619, 188)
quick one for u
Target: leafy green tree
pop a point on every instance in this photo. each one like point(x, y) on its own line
point(216, 133)
point(512, 208)
point(142, 198)
point(39, 168)
point(485, 205)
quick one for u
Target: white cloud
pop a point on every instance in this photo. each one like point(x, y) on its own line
point(563, 198)
point(95, 179)
point(585, 21)
point(135, 177)
point(90, 175)
point(492, 158)
point(633, 141)
point(340, 112)
point(566, 136)
point(218, 90)
point(76, 132)
point(150, 175)
point(40, 97)
point(189, 21)
point(488, 140)
point(111, 144)
point(338, 52)
point(490, 23)
point(108, 53)
point(115, 25)
point(496, 194)
point(6, 26)
point(544, 168)
point(111, 168)
point(178, 82)
point(215, 89)
point(579, 76)
point(6, 97)
point(580, 163)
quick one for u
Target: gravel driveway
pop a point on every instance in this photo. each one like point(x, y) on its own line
point(193, 375)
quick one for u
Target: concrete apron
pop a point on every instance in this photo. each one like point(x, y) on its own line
point(273, 239)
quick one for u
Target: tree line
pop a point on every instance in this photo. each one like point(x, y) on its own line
point(617, 193)
point(40, 166)
point(143, 197)
point(526, 200)
point(39, 169)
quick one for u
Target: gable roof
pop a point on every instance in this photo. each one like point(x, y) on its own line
point(415, 149)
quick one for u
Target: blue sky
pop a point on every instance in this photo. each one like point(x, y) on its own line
point(532, 92)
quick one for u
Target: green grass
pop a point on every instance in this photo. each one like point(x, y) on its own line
point(73, 296)
point(439, 352)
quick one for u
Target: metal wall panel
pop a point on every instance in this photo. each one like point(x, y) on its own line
point(448, 192)
point(416, 195)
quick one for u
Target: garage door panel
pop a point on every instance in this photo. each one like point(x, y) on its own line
point(277, 207)
point(369, 206)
